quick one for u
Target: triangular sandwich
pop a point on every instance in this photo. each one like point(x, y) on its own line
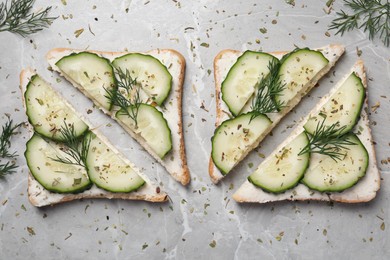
point(254, 91)
point(69, 160)
point(329, 156)
point(141, 91)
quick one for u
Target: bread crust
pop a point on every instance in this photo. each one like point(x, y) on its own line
point(221, 115)
point(365, 190)
point(40, 197)
point(182, 176)
point(185, 176)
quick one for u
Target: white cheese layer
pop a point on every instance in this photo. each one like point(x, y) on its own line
point(41, 197)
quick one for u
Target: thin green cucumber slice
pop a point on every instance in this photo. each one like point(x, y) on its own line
point(153, 76)
point(343, 107)
point(234, 138)
point(94, 74)
point(298, 69)
point(47, 112)
point(108, 170)
point(54, 176)
point(152, 126)
point(326, 175)
point(284, 169)
point(243, 78)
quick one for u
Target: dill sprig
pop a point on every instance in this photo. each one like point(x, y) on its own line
point(328, 140)
point(370, 15)
point(269, 88)
point(7, 168)
point(8, 130)
point(76, 148)
point(131, 100)
point(17, 17)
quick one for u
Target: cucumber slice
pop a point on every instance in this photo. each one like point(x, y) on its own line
point(149, 72)
point(92, 72)
point(54, 176)
point(326, 175)
point(283, 170)
point(298, 69)
point(108, 171)
point(343, 107)
point(152, 126)
point(233, 137)
point(47, 112)
point(243, 78)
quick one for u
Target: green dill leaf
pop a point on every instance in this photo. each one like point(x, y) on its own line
point(126, 95)
point(8, 130)
point(31, 231)
point(263, 30)
point(7, 168)
point(144, 246)
point(372, 16)
point(329, 3)
point(76, 148)
point(213, 244)
point(383, 226)
point(78, 32)
point(328, 141)
point(290, 2)
point(76, 181)
point(16, 17)
point(269, 88)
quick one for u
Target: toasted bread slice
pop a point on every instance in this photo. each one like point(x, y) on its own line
point(365, 190)
point(39, 196)
point(222, 64)
point(175, 161)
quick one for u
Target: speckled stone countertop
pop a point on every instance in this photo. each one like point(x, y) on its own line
point(201, 221)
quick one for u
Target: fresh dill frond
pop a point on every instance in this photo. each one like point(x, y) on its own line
point(327, 140)
point(76, 148)
point(7, 168)
point(8, 130)
point(126, 95)
point(370, 15)
point(16, 17)
point(125, 80)
point(269, 88)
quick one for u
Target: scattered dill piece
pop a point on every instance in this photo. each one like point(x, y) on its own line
point(329, 3)
point(370, 15)
point(8, 130)
point(290, 2)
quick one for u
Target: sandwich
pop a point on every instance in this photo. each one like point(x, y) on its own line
point(329, 156)
point(254, 91)
point(141, 91)
point(68, 159)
